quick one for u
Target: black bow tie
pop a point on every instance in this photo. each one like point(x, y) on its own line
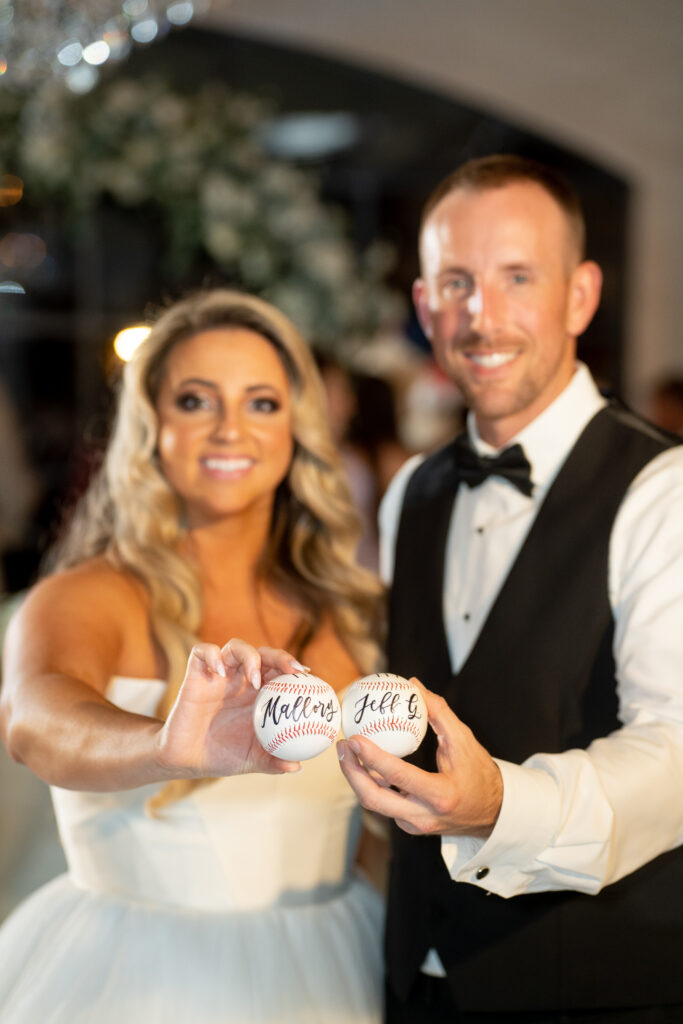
point(512, 464)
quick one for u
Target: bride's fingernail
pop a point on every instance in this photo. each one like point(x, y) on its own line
point(220, 668)
point(299, 666)
point(255, 678)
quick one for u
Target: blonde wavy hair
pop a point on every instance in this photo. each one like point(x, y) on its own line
point(132, 517)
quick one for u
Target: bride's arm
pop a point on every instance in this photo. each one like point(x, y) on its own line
point(63, 646)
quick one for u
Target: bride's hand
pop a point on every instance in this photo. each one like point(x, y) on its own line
point(209, 731)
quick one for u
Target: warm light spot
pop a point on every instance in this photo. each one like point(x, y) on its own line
point(129, 340)
point(116, 39)
point(3, 65)
point(11, 190)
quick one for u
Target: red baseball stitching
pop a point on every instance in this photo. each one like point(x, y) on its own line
point(391, 725)
point(385, 683)
point(304, 729)
point(287, 687)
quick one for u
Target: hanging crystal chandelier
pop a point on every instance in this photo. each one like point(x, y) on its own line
point(72, 39)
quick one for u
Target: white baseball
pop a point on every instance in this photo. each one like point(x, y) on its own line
point(387, 709)
point(296, 716)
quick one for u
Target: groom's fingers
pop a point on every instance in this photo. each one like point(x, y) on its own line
point(382, 782)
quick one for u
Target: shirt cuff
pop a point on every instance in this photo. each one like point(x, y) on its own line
point(503, 863)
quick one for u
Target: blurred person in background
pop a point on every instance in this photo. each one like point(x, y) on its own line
point(666, 404)
point(20, 490)
point(361, 409)
point(342, 409)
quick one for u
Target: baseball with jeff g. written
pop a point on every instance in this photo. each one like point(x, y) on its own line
point(388, 709)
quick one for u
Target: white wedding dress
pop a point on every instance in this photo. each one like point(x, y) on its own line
point(238, 906)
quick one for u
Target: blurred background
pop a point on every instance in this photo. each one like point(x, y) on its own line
point(286, 147)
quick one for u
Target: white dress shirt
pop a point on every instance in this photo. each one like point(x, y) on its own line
point(582, 818)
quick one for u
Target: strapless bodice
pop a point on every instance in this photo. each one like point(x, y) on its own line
point(236, 844)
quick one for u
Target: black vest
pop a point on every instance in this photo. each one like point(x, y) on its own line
point(541, 677)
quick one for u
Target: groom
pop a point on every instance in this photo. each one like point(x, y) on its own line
point(536, 873)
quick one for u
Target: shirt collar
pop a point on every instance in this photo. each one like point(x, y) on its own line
point(549, 438)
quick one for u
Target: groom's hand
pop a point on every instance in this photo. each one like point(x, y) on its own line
point(463, 797)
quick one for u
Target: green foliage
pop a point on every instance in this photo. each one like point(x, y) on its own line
point(196, 160)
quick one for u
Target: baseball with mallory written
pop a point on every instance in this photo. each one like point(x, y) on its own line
point(388, 709)
point(296, 716)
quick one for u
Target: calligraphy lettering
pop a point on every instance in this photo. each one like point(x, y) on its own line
point(276, 708)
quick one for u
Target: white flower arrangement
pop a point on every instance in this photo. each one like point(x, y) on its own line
point(197, 159)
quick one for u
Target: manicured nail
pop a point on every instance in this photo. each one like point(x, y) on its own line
point(299, 666)
point(355, 747)
point(340, 751)
point(220, 668)
point(255, 678)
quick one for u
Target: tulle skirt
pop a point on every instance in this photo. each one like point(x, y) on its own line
point(68, 956)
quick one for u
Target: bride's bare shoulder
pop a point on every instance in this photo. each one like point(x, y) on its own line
point(88, 622)
point(94, 588)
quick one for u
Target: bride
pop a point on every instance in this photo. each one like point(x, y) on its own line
point(206, 880)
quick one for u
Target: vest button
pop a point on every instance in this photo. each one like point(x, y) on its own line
point(481, 873)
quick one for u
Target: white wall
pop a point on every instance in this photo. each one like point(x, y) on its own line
point(601, 76)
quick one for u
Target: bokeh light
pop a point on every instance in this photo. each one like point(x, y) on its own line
point(180, 13)
point(11, 190)
point(42, 39)
point(70, 53)
point(97, 53)
point(129, 340)
point(144, 31)
point(22, 251)
point(82, 78)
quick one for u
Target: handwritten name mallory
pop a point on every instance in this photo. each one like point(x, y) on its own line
point(300, 708)
point(387, 704)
